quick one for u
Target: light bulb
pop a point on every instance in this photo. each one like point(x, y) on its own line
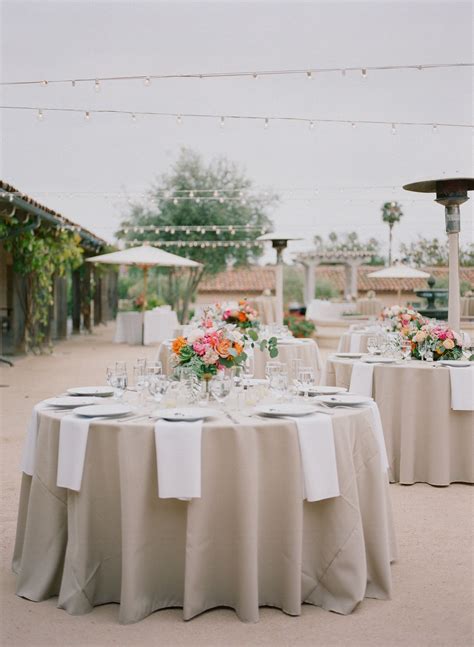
point(134, 118)
point(179, 120)
point(73, 83)
point(40, 115)
point(44, 83)
point(147, 81)
point(97, 86)
point(222, 122)
point(215, 194)
point(353, 125)
point(309, 75)
point(191, 194)
point(197, 200)
point(311, 125)
point(255, 75)
point(175, 201)
point(266, 122)
point(394, 129)
point(364, 73)
point(435, 129)
point(420, 67)
point(343, 72)
point(87, 116)
point(221, 200)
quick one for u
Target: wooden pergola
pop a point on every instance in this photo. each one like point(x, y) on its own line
point(94, 292)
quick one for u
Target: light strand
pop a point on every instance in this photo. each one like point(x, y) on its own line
point(308, 72)
point(265, 120)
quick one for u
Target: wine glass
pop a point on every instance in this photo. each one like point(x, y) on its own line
point(248, 368)
point(271, 367)
point(157, 386)
point(295, 366)
point(139, 380)
point(279, 383)
point(422, 348)
point(372, 344)
point(121, 367)
point(405, 348)
point(466, 345)
point(221, 386)
point(119, 381)
point(306, 379)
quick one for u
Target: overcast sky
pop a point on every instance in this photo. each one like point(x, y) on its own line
point(109, 154)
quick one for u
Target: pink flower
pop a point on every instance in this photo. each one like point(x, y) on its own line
point(200, 348)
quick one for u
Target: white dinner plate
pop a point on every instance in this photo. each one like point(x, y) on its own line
point(106, 410)
point(347, 399)
point(277, 410)
point(379, 360)
point(186, 414)
point(322, 390)
point(69, 402)
point(349, 355)
point(100, 391)
point(454, 362)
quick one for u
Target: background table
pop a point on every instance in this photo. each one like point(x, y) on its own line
point(347, 342)
point(426, 440)
point(369, 307)
point(249, 541)
point(305, 349)
point(266, 308)
point(150, 327)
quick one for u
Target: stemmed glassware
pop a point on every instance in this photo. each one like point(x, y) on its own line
point(117, 378)
point(248, 368)
point(221, 386)
point(306, 380)
point(405, 349)
point(467, 346)
point(279, 382)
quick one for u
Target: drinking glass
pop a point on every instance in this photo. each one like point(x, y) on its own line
point(295, 368)
point(121, 367)
point(141, 361)
point(157, 386)
point(272, 367)
point(405, 348)
point(221, 386)
point(139, 380)
point(279, 384)
point(248, 368)
point(118, 380)
point(154, 368)
point(422, 348)
point(466, 344)
point(306, 379)
point(372, 344)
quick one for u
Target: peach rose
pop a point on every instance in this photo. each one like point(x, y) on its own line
point(420, 336)
point(178, 344)
point(222, 348)
point(238, 347)
point(448, 344)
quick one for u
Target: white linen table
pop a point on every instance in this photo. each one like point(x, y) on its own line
point(150, 327)
point(427, 441)
point(305, 349)
point(250, 540)
point(129, 328)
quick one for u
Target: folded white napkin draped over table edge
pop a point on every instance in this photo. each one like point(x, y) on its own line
point(462, 384)
point(178, 454)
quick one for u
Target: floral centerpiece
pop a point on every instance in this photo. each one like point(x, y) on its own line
point(443, 342)
point(401, 318)
point(208, 348)
point(244, 317)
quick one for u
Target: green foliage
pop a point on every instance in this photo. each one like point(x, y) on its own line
point(190, 173)
point(326, 290)
point(391, 213)
point(299, 326)
point(39, 255)
point(431, 252)
point(348, 242)
point(293, 284)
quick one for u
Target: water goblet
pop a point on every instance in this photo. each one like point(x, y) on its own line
point(306, 380)
point(118, 380)
point(221, 386)
point(271, 367)
point(372, 344)
point(157, 386)
point(121, 367)
point(405, 348)
point(248, 368)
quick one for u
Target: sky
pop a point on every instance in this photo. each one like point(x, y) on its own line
point(87, 170)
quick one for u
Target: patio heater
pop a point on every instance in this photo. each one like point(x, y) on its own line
point(279, 242)
point(451, 193)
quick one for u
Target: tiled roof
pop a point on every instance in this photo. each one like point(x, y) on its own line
point(257, 279)
point(335, 275)
point(8, 188)
point(250, 279)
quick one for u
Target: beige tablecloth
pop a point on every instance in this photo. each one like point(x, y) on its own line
point(129, 328)
point(467, 307)
point(370, 307)
point(305, 349)
point(249, 541)
point(345, 342)
point(426, 440)
point(266, 308)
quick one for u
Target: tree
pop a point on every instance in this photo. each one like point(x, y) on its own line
point(431, 252)
point(217, 197)
point(391, 214)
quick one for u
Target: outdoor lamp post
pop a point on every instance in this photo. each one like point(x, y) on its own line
point(451, 193)
point(279, 242)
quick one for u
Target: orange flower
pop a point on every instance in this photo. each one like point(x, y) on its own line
point(242, 302)
point(222, 348)
point(242, 316)
point(178, 344)
point(238, 347)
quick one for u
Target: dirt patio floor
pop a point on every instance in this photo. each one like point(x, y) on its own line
point(432, 602)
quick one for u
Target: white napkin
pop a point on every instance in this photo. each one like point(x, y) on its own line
point(361, 379)
point(28, 458)
point(355, 342)
point(178, 458)
point(73, 433)
point(378, 430)
point(318, 457)
point(462, 388)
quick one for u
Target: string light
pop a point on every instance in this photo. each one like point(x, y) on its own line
point(245, 117)
point(40, 115)
point(309, 75)
point(147, 81)
point(97, 85)
point(222, 122)
point(134, 118)
point(245, 74)
point(435, 129)
point(343, 72)
point(215, 194)
point(311, 125)
point(394, 129)
point(73, 83)
point(87, 115)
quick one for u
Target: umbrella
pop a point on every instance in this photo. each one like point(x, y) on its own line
point(398, 271)
point(145, 257)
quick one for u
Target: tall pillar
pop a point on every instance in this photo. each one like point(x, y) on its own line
point(279, 292)
point(309, 280)
point(353, 280)
point(86, 297)
point(454, 304)
point(76, 301)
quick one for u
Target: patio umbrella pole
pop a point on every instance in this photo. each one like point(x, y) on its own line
point(145, 285)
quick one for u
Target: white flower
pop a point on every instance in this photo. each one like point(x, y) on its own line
point(194, 335)
point(210, 357)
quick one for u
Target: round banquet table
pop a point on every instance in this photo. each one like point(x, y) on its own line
point(249, 541)
point(150, 327)
point(426, 440)
point(305, 349)
point(353, 342)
